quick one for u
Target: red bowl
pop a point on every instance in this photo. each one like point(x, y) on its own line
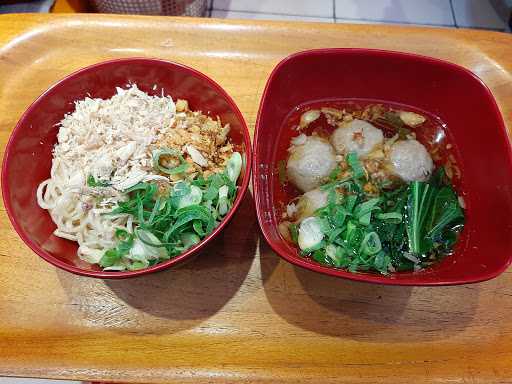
point(28, 156)
point(452, 93)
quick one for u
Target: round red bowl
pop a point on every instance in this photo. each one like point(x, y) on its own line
point(452, 93)
point(28, 155)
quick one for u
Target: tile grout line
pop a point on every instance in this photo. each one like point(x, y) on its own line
point(274, 14)
point(453, 14)
point(271, 13)
point(393, 22)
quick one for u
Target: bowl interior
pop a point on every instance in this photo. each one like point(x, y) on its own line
point(455, 95)
point(28, 156)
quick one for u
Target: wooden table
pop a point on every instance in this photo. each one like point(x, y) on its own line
point(238, 313)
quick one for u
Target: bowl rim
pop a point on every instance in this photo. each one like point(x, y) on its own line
point(8, 157)
point(341, 273)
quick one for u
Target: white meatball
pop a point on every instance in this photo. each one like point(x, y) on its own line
point(310, 233)
point(411, 161)
point(310, 163)
point(310, 202)
point(357, 136)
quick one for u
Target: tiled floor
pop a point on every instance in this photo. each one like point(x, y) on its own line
point(445, 13)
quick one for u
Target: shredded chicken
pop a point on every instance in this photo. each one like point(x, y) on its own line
point(111, 139)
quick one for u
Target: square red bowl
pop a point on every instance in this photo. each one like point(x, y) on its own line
point(446, 90)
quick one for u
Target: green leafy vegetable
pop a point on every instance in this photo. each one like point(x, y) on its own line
point(431, 212)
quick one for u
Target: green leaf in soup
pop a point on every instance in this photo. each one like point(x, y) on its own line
point(335, 233)
point(421, 197)
point(338, 256)
point(354, 265)
point(370, 245)
point(319, 256)
point(294, 232)
point(350, 203)
point(339, 216)
point(445, 210)
point(390, 217)
point(382, 262)
point(363, 211)
point(353, 235)
point(438, 178)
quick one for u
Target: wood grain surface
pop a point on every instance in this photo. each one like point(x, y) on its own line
point(238, 313)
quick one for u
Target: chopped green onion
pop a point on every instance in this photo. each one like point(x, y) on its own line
point(189, 239)
point(294, 232)
point(371, 244)
point(234, 167)
point(157, 154)
point(355, 165)
point(92, 182)
point(223, 200)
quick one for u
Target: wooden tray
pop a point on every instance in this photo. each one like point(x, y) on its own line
point(238, 313)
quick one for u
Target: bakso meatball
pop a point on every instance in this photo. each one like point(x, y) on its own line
point(411, 161)
point(310, 163)
point(357, 136)
point(311, 201)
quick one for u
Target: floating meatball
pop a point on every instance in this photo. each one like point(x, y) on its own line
point(411, 161)
point(310, 163)
point(309, 202)
point(357, 136)
point(310, 233)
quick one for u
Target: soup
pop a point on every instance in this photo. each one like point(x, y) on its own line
point(368, 186)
